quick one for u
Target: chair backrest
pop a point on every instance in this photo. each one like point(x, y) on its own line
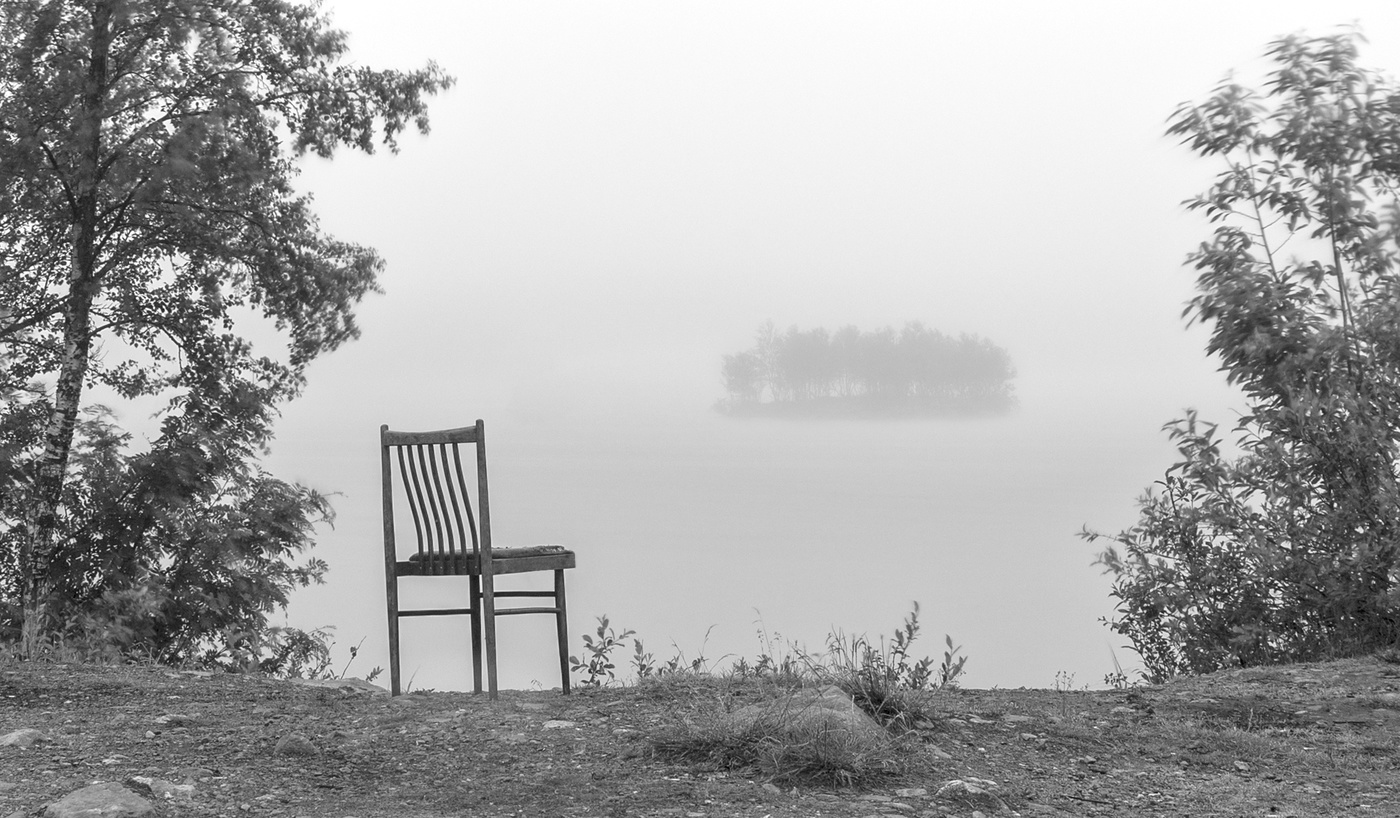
point(431, 473)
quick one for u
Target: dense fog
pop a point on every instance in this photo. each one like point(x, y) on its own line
point(616, 195)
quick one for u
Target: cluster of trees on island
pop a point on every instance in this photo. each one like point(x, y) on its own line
point(915, 370)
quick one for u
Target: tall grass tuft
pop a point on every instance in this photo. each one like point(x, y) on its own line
point(882, 679)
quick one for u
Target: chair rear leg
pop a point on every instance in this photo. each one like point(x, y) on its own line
point(476, 632)
point(561, 620)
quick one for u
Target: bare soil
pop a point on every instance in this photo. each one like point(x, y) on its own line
point(1297, 740)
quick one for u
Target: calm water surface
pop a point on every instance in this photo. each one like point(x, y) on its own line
point(724, 538)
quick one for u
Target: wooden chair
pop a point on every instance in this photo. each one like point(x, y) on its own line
point(438, 495)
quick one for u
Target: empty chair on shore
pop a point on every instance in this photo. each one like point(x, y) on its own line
point(453, 541)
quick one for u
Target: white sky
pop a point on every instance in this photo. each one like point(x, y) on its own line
point(616, 193)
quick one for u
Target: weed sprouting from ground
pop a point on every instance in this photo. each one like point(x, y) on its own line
point(598, 663)
point(884, 680)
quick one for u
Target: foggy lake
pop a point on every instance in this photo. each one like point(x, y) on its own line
point(704, 533)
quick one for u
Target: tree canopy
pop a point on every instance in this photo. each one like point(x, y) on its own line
point(147, 152)
point(914, 371)
point(1279, 542)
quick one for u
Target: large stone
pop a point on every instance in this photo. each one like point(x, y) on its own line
point(348, 687)
point(23, 739)
point(295, 744)
point(102, 800)
point(825, 713)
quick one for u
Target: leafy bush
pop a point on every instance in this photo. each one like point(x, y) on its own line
point(178, 553)
point(1286, 548)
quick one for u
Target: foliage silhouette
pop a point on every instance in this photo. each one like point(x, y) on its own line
point(147, 214)
point(1281, 544)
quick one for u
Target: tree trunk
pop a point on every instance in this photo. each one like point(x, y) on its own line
point(40, 538)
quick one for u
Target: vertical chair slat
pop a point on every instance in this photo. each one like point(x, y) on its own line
point(455, 525)
point(414, 497)
point(445, 501)
point(432, 488)
point(466, 498)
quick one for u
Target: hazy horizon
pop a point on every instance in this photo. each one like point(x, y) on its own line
point(616, 194)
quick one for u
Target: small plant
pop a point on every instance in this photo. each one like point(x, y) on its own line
point(599, 659)
point(1064, 681)
point(354, 652)
point(1117, 680)
point(642, 661)
point(952, 666)
point(1064, 685)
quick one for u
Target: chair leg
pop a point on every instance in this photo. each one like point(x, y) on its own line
point(392, 606)
point(488, 610)
point(476, 633)
point(561, 620)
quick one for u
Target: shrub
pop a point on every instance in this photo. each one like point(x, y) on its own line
point(1287, 549)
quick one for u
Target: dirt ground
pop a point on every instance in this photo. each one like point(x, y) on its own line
point(1299, 740)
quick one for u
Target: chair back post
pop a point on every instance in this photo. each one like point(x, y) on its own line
point(488, 578)
point(391, 589)
point(483, 503)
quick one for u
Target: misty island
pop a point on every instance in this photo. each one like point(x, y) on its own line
point(915, 371)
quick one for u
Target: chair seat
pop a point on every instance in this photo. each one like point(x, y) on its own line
point(503, 561)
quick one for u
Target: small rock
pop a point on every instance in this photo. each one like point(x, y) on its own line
point(295, 744)
point(102, 799)
point(976, 793)
point(772, 788)
point(23, 739)
point(195, 773)
point(1242, 766)
point(559, 724)
point(911, 792)
point(979, 720)
point(160, 788)
point(1122, 710)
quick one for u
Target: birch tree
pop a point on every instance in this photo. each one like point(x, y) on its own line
point(147, 149)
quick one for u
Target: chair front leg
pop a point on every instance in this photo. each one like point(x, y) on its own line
point(392, 608)
point(561, 621)
point(488, 611)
